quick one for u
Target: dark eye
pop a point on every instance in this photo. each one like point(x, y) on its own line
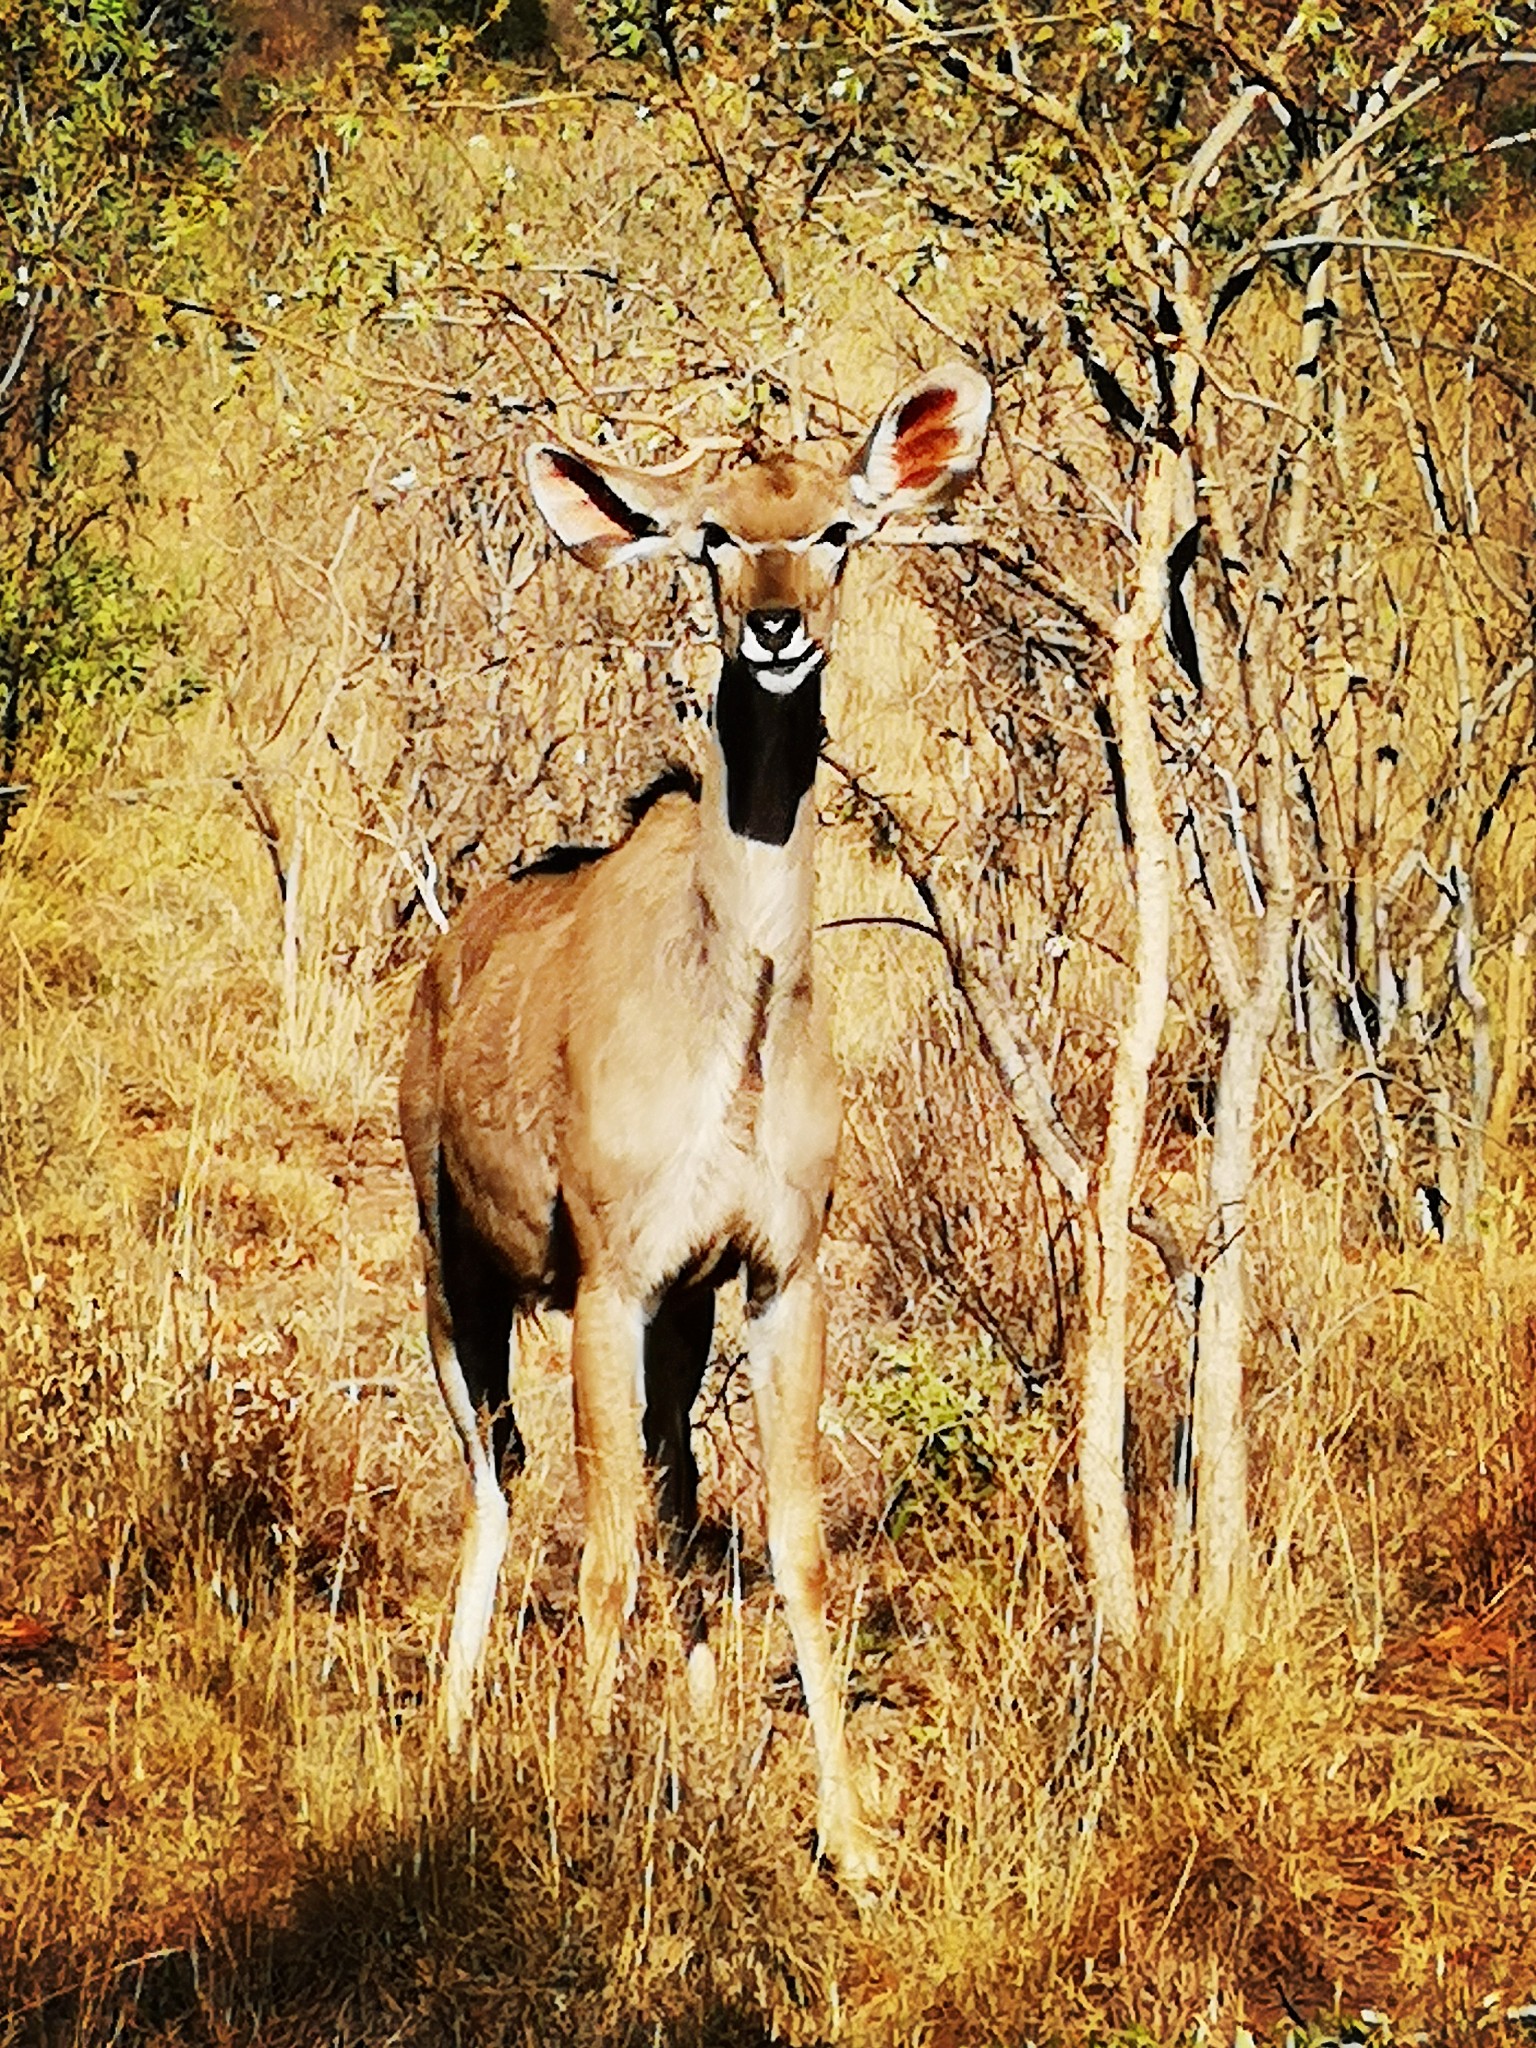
point(715, 538)
point(837, 535)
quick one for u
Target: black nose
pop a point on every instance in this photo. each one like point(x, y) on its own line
point(773, 629)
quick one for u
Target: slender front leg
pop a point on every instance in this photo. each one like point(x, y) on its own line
point(786, 1343)
point(606, 1371)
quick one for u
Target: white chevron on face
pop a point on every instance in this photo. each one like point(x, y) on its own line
point(779, 681)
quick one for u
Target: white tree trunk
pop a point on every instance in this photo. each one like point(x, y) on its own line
point(1517, 986)
point(1101, 1429)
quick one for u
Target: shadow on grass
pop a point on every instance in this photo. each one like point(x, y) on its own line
point(460, 1934)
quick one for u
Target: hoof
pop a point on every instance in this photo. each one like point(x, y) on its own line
point(703, 1679)
point(852, 1848)
point(454, 1717)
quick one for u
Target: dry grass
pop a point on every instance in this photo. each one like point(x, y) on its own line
point(228, 1500)
point(230, 1507)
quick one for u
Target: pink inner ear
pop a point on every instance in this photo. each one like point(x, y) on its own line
point(923, 461)
point(918, 411)
point(925, 440)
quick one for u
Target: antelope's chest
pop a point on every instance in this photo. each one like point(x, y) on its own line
point(713, 1130)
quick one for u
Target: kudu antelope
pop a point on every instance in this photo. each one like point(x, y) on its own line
point(618, 1088)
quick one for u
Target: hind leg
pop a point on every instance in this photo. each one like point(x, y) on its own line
point(470, 1306)
point(677, 1341)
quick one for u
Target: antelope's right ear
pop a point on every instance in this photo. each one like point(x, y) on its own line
point(604, 516)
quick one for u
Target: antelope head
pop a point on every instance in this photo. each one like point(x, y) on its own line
point(773, 531)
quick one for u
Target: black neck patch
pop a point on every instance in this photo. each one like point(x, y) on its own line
point(770, 742)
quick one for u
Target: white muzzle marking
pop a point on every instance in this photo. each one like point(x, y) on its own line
point(780, 682)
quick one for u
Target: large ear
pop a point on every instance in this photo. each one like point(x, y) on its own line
point(926, 444)
point(602, 515)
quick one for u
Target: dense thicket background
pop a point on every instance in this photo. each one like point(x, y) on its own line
point(1205, 766)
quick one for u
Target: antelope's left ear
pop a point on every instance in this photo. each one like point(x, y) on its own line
point(926, 444)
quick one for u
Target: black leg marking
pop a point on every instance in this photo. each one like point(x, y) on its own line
point(481, 1302)
point(677, 1341)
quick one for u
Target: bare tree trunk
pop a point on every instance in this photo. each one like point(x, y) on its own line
point(1447, 1186)
point(1517, 996)
point(1254, 1007)
point(291, 932)
point(1221, 1444)
point(1480, 1094)
point(1253, 1001)
point(1101, 1428)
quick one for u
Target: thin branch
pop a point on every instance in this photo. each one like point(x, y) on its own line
point(259, 331)
point(29, 328)
point(1015, 1059)
point(1239, 836)
point(1284, 244)
point(1208, 157)
point(711, 149)
point(842, 924)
